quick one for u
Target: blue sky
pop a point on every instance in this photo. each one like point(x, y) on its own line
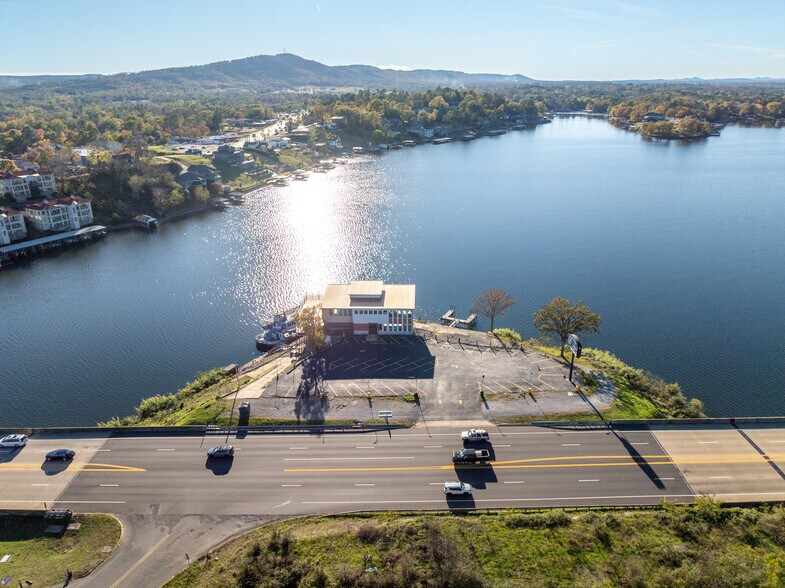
point(544, 39)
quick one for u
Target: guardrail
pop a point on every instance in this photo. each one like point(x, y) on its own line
point(657, 422)
point(201, 429)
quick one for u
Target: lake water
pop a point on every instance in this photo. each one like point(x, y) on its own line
point(679, 247)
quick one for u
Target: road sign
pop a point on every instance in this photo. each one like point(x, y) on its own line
point(385, 414)
point(574, 343)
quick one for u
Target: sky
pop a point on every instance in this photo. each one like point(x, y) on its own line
point(542, 39)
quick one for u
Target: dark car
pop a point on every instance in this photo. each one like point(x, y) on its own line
point(63, 454)
point(221, 451)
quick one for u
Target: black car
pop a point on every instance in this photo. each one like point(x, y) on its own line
point(63, 454)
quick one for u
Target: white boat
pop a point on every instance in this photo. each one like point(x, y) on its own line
point(281, 330)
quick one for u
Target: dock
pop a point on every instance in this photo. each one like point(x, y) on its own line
point(450, 320)
point(27, 249)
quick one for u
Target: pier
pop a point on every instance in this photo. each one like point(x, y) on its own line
point(29, 248)
point(450, 320)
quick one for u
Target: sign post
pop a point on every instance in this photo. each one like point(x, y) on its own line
point(574, 343)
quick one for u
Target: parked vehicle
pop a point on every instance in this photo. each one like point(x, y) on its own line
point(471, 456)
point(475, 435)
point(462, 488)
point(221, 451)
point(63, 454)
point(13, 441)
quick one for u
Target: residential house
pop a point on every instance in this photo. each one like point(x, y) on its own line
point(228, 155)
point(209, 174)
point(277, 143)
point(63, 214)
point(368, 308)
point(18, 184)
point(189, 180)
point(24, 165)
point(653, 117)
point(12, 225)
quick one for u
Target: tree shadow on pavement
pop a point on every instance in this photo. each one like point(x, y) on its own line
point(312, 402)
point(641, 461)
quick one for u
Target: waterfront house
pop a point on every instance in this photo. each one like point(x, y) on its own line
point(368, 307)
point(653, 117)
point(228, 155)
point(12, 225)
point(18, 184)
point(190, 180)
point(63, 214)
point(209, 174)
point(277, 143)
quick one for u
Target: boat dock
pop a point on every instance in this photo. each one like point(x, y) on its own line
point(450, 320)
point(29, 248)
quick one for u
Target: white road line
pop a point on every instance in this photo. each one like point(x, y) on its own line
point(108, 485)
point(646, 443)
point(570, 444)
point(719, 477)
point(776, 440)
point(290, 485)
point(365, 484)
point(594, 480)
point(514, 482)
point(501, 445)
point(365, 447)
point(103, 450)
point(40, 484)
point(340, 458)
point(159, 449)
point(664, 479)
point(432, 446)
point(707, 442)
point(435, 483)
point(298, 448)
point(83, 501)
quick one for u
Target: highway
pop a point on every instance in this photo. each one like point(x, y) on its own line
point(173, 502)
point(288, 474)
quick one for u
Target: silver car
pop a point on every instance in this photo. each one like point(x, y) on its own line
point(221, 451)
point(451, 488)
point(13, 441)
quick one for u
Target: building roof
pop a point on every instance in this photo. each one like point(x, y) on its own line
point(9, 211)
point(22, 174)
point(369, 294)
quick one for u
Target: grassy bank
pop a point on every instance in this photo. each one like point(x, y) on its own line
point(640, 395)
point(684, 546)
point(45, 559)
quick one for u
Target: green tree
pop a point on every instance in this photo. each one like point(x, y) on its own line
point(561, 318)
point(493, 302)
point(7, 165)
point(309, 321)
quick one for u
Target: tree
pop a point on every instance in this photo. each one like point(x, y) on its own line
point(309, 321)
point(7, 165)
point(561, 318)
point(493, 302)
point(201, 194)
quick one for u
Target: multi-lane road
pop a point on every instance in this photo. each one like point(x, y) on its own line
point(159, 478)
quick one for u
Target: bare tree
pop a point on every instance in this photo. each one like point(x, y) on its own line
point(493, 302)
point(560, 317)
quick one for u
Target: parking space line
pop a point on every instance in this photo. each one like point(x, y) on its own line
point(502, 386)
point(362, 392)
point(347, 390)
point(390, 389)
point(289, 391)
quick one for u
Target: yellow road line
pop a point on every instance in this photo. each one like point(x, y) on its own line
point(89, 467)
point(137, 564)
point(539, 463)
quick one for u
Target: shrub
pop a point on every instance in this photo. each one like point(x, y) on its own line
point(539, 520)
point(156, 405)
point(508, 335)
point(369, 533)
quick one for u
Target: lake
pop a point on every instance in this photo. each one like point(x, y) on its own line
point(679, 247)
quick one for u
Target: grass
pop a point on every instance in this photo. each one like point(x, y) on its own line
point(678, 546)
point(44, 559)
point(295, 159)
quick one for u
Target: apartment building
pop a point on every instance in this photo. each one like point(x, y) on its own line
point(12, 225)
point(18, 184)
point(63, 214)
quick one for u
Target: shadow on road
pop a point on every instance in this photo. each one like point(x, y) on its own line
point(460, 502)
point(641, 461)
point(52, 468)
point(476, 475)
point(7, 455)
point(220, 466)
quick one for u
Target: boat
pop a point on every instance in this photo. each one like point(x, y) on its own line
point(282, 182)
point(496, 132)
point(468, 137)
point(282, 329)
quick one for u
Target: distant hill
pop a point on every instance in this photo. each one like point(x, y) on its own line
point(265, 72)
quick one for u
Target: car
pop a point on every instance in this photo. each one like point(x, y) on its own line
point(451, 488)
point(221, 451)
point(475, 435)
point(480, 456)
point(63, 454)
point(13, 441)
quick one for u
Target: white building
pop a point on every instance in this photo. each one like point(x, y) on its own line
point(17, 184)
point(277, 142)
point(12, 225)
point(368, 308)
point(63, 214)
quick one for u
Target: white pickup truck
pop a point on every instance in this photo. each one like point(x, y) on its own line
point(475, 435)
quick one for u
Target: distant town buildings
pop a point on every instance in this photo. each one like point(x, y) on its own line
point(63, 214)
point(368, 308)
point(19, 184)
point(12, 226)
